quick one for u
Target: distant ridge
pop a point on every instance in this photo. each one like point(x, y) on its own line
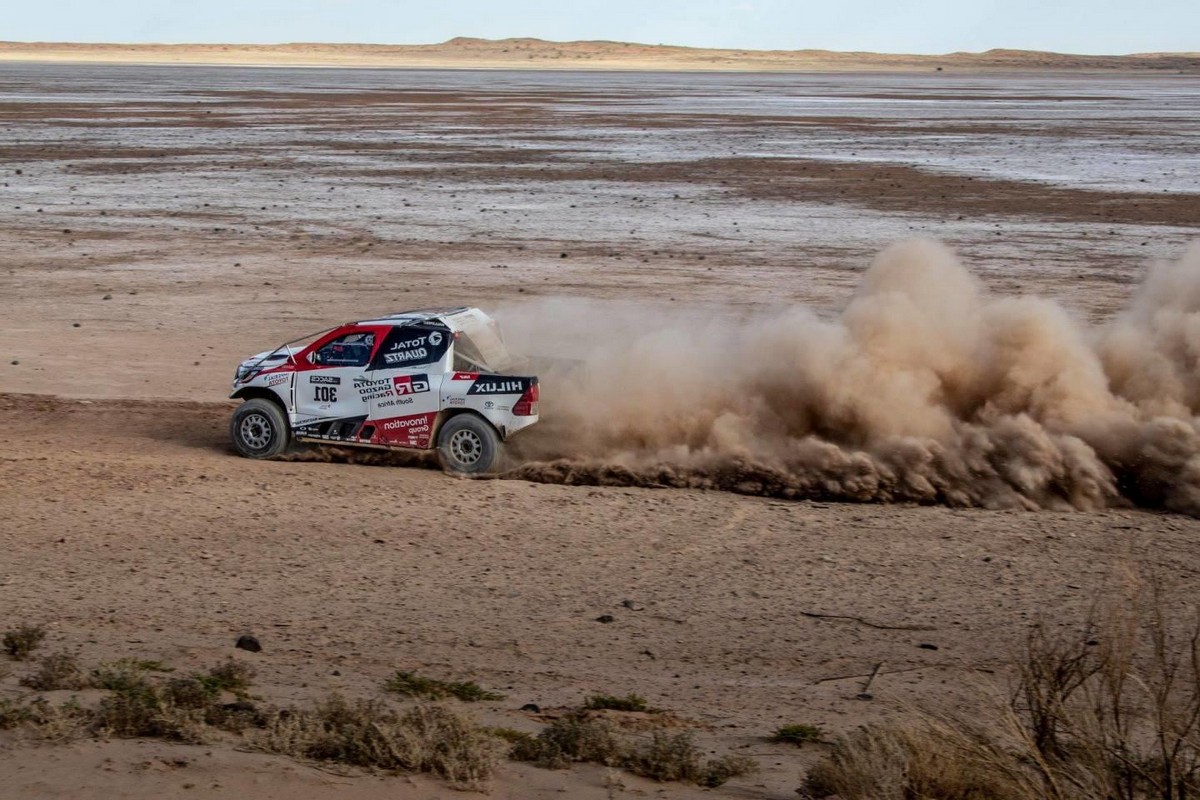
point(527, 53)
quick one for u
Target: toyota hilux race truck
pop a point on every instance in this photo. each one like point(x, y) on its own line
point(418, 380)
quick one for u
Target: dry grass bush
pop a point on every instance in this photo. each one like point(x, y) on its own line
point(42, 719)
point(230, 676)
point(120, 674)
point(675, 757)
point(666, 757)
point(409, 684)
point(180, 709)
point(144, 709)
point(571, 738)
point(14, 713)
point(608, 702)
point(367, 733)
point(1111, 713)
point(57, 671)
point(892, 763)
point(799, 734)
point(21, 641)
point(510, 735)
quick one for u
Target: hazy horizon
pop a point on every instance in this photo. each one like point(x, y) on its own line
point(921, 27)
point(569, 41)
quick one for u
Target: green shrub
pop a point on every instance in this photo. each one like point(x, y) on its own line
point(410, 684)
point(14, 714)
point(797, 734)
point(675, 757)
point(607, 702)
point(572, 738)
point(117, 675)
point(179, 709)
point(44, 720)
point(20, 642)
point(143, 709)
point(57, 671)
point(231, 676)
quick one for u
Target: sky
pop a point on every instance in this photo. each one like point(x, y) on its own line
point(896, 26)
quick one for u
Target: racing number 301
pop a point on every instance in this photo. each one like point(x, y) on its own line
point(325, 394)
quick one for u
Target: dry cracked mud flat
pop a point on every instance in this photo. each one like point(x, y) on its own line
point(160, 224)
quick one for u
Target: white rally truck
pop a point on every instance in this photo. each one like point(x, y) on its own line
point(417, 380)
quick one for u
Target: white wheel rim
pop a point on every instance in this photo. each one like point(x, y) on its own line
point(466, 447)
point(255, 431)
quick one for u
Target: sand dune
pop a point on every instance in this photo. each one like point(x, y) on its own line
point(526, 53)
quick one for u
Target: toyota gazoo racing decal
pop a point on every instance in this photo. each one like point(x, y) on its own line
point(372, 389)
point(409, 345)
point(411, 431)
point(500, 384)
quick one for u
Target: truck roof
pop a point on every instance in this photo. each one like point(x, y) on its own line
point(477, 335)
point(446, 316)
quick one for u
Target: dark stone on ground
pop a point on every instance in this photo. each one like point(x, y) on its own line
point(249, 643)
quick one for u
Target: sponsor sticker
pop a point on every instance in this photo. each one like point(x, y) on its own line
point(499, 385)
point(464, 376)
point(395, 401)
point(329, 380)
point(406, 345)
point(410, 384)
point(405, 356)
point(408, 423)
point(275, 380)
point(412, 431)
point(372, 390)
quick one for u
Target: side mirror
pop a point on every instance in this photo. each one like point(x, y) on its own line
point(312, 358)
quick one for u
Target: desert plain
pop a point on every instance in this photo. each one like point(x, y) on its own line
point(160, 223)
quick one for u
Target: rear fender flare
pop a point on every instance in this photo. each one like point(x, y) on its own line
point(447, 414)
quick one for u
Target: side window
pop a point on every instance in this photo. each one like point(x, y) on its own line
point(411, 346)
point(348, 350)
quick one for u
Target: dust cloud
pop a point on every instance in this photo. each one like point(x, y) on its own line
point(924, 389)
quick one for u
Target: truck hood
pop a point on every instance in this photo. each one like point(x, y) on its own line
point(266, 359)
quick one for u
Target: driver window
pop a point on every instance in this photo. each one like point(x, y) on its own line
point(348, 350)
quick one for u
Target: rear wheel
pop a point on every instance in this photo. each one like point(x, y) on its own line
point(259, 429)
point(468, 445)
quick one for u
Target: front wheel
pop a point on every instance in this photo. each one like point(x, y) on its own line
point(468, 445)
point(259, 429)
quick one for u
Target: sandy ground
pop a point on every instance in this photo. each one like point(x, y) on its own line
point(133, 531)
point(161, 225)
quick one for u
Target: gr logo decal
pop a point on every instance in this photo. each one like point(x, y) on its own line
point(435, 338)
point(411, 384)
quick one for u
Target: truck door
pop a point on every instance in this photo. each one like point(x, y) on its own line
point(406, 379)
point(328, 403)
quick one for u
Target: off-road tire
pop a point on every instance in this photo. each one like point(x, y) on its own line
point(259, 429)
point(468, 445)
